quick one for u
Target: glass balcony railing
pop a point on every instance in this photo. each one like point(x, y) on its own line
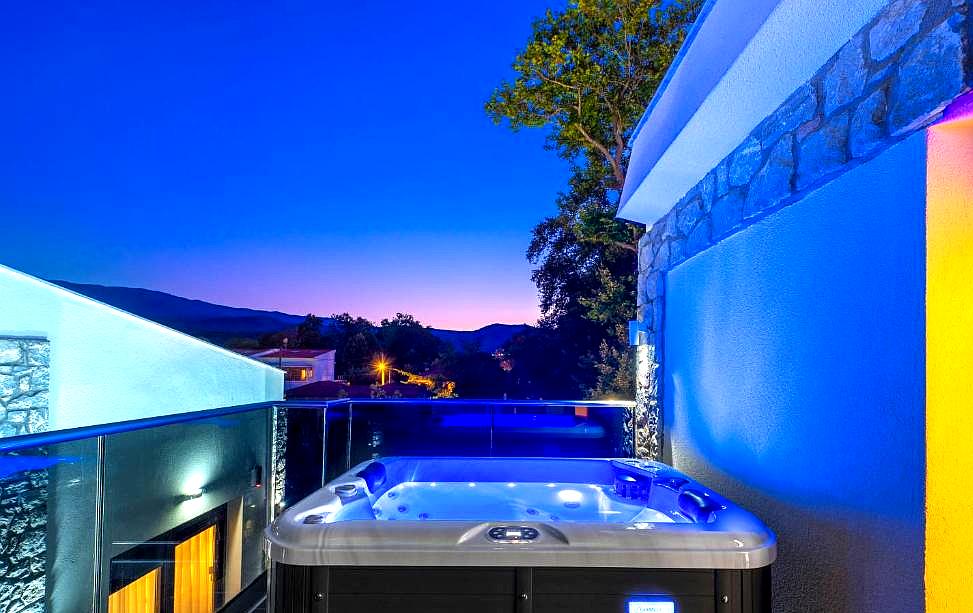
point(167, 514)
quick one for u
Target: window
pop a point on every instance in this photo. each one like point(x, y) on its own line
point(177, 572)
point(298, 373)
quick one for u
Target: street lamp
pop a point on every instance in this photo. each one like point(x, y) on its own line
point(382, 366)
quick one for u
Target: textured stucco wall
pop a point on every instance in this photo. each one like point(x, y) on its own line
point(107, 365)
point(794, 369)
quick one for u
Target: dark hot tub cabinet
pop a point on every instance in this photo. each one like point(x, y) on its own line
point(518, 535)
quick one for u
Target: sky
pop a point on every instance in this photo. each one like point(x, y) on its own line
point(300, 156)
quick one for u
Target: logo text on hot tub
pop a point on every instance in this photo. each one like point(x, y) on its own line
point(651, 606)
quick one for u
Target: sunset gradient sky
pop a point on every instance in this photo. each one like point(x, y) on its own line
point(301, 156)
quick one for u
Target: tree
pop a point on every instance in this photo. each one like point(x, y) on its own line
point(411, 345)
point(548, 362)
point(309, 333)
point(588, 73)
point(586, 76)
point(477, 374)
point(353, 339)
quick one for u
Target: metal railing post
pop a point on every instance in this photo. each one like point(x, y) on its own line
point(97, 547)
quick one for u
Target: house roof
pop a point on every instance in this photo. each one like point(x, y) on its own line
point(249, 352)
point(291, 353)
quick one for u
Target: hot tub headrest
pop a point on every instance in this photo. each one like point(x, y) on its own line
point(698, 507)
point(374, 475)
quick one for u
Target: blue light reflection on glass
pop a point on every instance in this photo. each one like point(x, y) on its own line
point(13, 464)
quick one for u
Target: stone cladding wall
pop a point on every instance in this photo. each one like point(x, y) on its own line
point(24, 381)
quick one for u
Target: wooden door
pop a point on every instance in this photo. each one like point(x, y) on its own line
point(139, 596)
point(195, 580)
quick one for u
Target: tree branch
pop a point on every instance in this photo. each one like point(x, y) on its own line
point(606, 153)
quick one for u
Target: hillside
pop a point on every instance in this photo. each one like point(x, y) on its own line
point(218, 323)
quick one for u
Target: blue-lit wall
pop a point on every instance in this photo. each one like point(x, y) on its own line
point(794, 383)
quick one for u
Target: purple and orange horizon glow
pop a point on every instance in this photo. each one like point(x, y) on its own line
point(303, 158)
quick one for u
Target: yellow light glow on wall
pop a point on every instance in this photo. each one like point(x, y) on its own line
point(949, 367)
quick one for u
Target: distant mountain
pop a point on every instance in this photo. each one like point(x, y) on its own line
point(218, 324)
point(488, 338)
point(213, 322)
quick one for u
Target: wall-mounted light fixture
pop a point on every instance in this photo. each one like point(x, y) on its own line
point(193, 495)
point(193, 488)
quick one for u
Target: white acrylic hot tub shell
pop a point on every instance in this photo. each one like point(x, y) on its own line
point(734, 540)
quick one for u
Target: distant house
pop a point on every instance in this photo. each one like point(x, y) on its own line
point(300, 366)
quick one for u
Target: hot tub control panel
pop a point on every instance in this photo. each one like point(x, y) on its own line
point(512, 534)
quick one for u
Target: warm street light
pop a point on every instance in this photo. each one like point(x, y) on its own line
point(382, 366)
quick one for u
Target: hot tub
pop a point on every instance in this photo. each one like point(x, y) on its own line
point(541, 535)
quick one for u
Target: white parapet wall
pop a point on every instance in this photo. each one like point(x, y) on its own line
point(107, 365)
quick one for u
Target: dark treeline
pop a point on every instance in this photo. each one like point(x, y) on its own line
point(536, 363)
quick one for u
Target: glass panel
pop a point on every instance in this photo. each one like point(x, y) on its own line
point(469, 429)
point(166, 486)
point(337, 441)
point(159, 490)
point(430, 428)
point(299, 455)
point(47, 526)
point(565, 431)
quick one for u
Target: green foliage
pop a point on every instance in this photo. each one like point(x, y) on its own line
point(588, 73)
point(477, 374)
point(410, 345)
point(239, 342)
point(586, 76)
point(553, 362)
point(356, 345)
point(309, 333)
